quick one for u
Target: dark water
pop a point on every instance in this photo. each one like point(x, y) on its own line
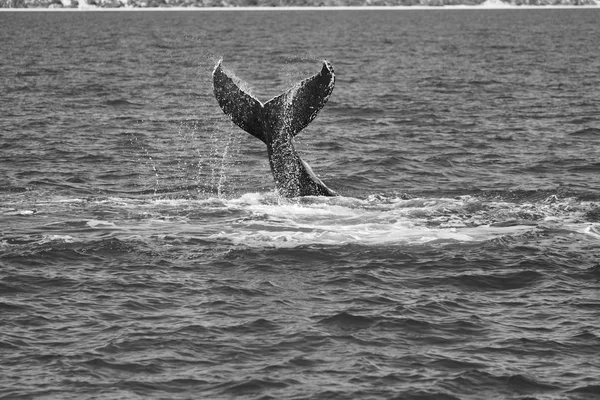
point(145, 254)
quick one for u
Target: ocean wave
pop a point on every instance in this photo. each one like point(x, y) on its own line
point(474, 379)
point(592, 132)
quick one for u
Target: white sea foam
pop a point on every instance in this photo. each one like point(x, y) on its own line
point(267, 220)
point(592, 230)
point(98, 224)
point(57, 238)
point(308, 221)
point(19, 212)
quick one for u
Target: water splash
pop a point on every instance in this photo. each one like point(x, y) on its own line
point(226, 161)
point(189, 157)
point(141, 154)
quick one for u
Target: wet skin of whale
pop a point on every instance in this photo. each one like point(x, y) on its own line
point(276, 122)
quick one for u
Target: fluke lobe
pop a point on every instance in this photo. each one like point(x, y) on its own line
point(277, 122)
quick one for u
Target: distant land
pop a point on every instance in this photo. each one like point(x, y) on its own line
point(91, 4)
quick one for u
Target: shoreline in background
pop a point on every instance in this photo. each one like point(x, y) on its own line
point(503, 6)
point(290, 5)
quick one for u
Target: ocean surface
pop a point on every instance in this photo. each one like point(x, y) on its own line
point(145, 254)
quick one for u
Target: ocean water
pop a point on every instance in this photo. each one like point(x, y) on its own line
point(145, 254)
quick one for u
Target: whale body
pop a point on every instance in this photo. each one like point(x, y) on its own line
point(276, 122)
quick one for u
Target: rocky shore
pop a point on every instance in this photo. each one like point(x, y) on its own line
point(279, 3)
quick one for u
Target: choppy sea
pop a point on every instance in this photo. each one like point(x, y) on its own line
point(145, 254)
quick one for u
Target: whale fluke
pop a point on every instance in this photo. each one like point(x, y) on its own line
point(245, 111)
point(276, 122)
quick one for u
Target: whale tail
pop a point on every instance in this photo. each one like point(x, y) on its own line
point(277, 122)
point(291, 111)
